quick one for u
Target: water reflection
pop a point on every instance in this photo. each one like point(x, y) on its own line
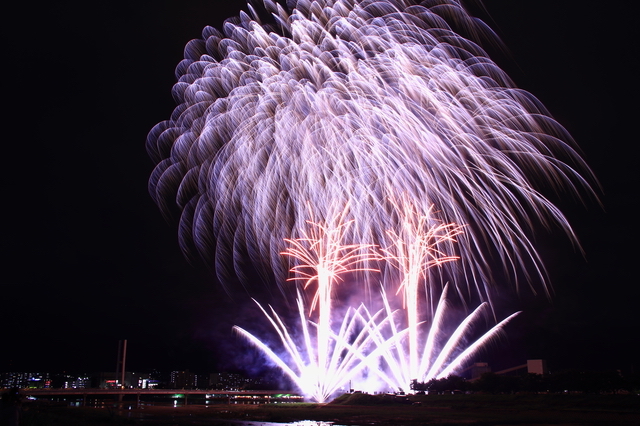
point(146, 410)
point(298, 423)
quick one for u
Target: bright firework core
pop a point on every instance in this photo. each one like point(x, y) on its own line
point(394, 346)
point(352, 136)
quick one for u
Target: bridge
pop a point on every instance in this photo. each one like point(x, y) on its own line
point(242, 397)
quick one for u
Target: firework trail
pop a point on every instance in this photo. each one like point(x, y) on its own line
point(323, 258)
point(414, 253)
point(351, 350)
point(328, 134)
point(372, 343)
point(402, 369)
point(348, 102)
point(397, 350)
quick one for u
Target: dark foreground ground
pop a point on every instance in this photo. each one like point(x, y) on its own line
point(366, 410)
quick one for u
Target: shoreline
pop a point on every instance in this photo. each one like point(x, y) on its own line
point(558, 409)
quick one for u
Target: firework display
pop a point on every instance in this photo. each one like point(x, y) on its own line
point(397, 345)
point(338, 136)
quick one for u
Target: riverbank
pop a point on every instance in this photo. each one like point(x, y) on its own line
point(363, 410)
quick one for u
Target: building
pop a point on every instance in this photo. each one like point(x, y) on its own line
point(537, 366)
point(229, 381)
point(25, 380)
point(478, 369)
point(182, 380)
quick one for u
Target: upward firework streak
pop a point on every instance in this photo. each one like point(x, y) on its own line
point(322, 252)
point(347, 352)
point(330, 359)
point(403, 370)
point(351, 103)
point(416, 249)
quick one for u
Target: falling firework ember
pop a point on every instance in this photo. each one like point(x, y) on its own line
point(328, 134)
point(353, 102)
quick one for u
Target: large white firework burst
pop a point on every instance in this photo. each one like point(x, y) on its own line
point(348, 102)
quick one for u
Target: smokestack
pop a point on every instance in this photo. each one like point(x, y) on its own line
point(122, 360)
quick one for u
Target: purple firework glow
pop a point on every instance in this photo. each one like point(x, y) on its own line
point(357, 118)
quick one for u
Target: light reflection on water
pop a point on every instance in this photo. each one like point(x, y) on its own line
point(128, 406)
point(298, 423)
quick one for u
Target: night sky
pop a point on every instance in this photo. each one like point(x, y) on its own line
point(89, 259)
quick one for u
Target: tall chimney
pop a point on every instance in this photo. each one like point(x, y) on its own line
point(122, 360)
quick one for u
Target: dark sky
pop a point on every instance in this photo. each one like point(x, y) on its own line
point(89, 260)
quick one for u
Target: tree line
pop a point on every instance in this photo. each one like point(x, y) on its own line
point(560, 382)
